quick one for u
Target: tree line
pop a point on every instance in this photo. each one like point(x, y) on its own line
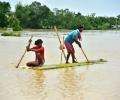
point(37, 16)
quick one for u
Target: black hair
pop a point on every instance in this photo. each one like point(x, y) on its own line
point(80, 26)
point(39, 41)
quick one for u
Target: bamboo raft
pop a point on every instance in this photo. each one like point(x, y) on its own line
point(58, 66)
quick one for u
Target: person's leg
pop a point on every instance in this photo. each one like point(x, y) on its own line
point(70, 51)
point(31, 64)
point(73, 59)
point(68, 46)
point(73, 54)
point(68, 55)
point(40, 62)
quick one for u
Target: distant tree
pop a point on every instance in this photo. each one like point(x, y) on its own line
point(63, 18)
point(36, 15)
point(23, 14)
point(46, 15)
point(14, 23)
point(69, 19)
point(4, 12)
point(118, 19)
point(39, 15)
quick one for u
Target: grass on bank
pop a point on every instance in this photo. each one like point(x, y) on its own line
point(11, 33)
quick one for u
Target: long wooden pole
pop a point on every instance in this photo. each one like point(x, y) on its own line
point(24, 53)
point(62, 52)
point(61, 58)
point(60, 42)
point(85, 55)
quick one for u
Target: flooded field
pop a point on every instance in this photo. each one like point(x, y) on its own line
point(93, 82)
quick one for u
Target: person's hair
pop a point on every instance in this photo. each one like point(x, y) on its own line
point(80, 26)
point(39, 41)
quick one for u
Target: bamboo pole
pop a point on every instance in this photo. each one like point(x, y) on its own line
point(23, 53)
point(60, 42)
point(85, 55)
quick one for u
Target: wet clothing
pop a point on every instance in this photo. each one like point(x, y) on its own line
point(69, 40)
point(70, 48)
point(73, 35)
point(40, 50)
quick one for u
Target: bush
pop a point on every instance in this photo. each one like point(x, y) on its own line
point(10, 34)
point(17, 28)
point(14, 23)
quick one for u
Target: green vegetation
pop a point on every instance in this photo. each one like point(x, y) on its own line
point(37, 16)
point(11, 34)
point(14, 23)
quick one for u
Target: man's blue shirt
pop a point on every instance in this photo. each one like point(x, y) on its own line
point(71, 36)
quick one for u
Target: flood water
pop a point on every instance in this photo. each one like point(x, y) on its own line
point(93, 82)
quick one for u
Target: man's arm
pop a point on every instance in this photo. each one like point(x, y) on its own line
point(77, 42)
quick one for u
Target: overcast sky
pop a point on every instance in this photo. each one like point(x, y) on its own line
point(85, 7)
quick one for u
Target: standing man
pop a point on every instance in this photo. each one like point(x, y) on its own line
point(74, 36)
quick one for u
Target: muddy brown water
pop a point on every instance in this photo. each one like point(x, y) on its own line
point(93, 82)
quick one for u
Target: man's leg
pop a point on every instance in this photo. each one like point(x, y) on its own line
point(73, 54)
point(31, 64)
point(73, 58)
point(68, 55)
point(71, 51)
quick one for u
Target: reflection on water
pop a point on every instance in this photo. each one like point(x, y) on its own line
point(71, 84)
point(93, 82)
point(36, 87)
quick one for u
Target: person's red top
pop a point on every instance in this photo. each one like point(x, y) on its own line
point(40, 50)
